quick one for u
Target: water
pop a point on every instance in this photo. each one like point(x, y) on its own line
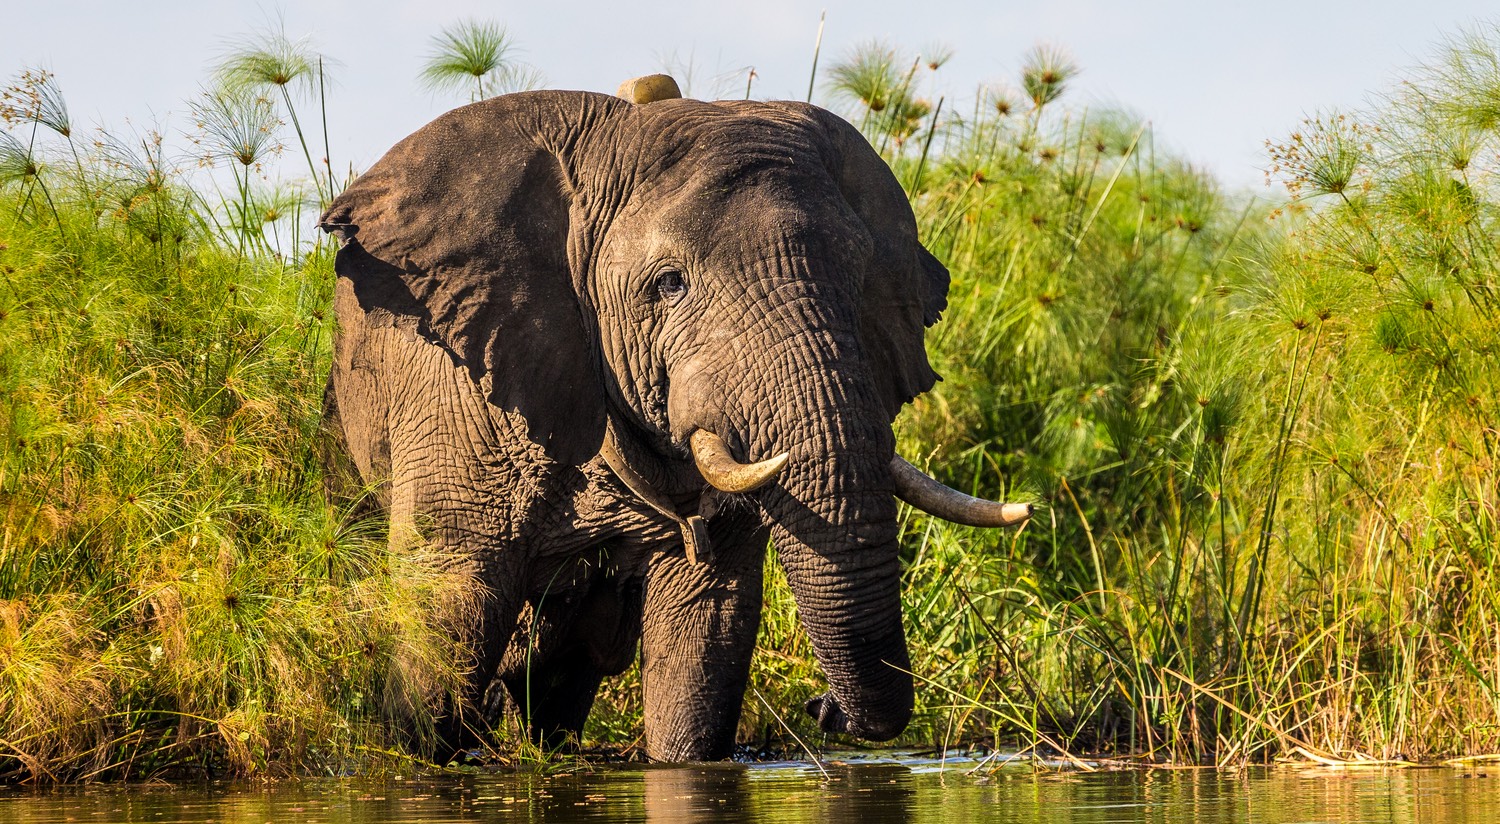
point(866, 791)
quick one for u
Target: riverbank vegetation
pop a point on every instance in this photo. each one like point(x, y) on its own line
point(1263, 437)
point(1266, 436)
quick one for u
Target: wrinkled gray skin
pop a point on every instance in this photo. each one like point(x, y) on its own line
point(501, 302)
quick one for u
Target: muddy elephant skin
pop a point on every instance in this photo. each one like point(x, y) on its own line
point(542, 297)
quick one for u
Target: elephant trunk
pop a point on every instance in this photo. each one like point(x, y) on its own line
point(846, 581)
point(833, 519)
point(796, 385)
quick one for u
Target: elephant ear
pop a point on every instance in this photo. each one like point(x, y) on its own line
point(906, 288)
point(460, 235)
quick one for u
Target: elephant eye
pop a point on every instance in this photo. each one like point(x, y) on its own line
point(671, 286)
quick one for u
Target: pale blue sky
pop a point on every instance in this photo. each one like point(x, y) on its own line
point(1216, 79)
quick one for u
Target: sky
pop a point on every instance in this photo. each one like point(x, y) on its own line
point(1215, 79)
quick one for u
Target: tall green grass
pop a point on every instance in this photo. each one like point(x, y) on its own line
point(175, 592)
point(1086, 269)
point(1265, 438)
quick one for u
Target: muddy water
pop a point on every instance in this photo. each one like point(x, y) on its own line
point(866, 791)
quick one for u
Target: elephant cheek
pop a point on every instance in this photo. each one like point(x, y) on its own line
point(699, 397)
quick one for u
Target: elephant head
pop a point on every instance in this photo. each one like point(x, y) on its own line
point(728, 292)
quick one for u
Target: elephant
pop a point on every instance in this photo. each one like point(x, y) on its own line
point(606, 351)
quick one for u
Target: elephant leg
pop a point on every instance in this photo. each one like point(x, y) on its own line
point(698, 633)
point(342, 483)
point(563, 649)
point(559, 698)
point(463, 727)
point(460, 482)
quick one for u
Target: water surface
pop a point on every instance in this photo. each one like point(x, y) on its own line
point(863, 791)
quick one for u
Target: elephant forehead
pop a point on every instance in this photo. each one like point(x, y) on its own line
point(743, 220)
point(727, 116)
point(728, 140)
point(725, 183)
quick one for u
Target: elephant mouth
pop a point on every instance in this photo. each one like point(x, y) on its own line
point(866, 662)
point(725, 473)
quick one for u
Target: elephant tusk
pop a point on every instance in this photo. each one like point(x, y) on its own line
point(726, 474)
point(916, 488)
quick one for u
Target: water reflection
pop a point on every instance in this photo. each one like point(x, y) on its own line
point(699, 793)
point(861, 793)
